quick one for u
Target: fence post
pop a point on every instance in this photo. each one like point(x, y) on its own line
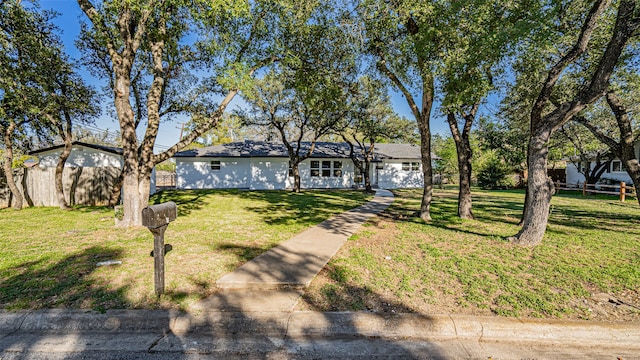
point(584, 188)
point(623, 191)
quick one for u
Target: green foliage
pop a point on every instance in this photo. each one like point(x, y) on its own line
point(495, 174)
point(229, 129)
point(39, 91)
point(167, 165)
point(507, 139)
point(447, 164)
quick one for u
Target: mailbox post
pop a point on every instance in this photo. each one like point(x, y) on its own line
point(156, 218)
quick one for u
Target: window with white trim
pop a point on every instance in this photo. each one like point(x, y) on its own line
point(215, 165)
point(337, 168)
point(410, 166)
point(617, 166)
point(357, 175)
point(315, 168)
point(326, 168)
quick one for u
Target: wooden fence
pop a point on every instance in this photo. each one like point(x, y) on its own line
point(82, 186)
point(165, 180)
point(622, 190)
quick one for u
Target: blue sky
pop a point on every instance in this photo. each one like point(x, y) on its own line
point(68, 21)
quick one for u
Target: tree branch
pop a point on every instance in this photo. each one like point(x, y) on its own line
point(579, 47)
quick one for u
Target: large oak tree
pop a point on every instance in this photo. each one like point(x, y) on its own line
point(147, 49)
point(548, 114)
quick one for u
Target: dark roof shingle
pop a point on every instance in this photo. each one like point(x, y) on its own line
point(109, 149)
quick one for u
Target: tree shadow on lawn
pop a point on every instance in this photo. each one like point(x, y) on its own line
point(187, 200)
point(286, 207)
point(63, 284)
point(345, 296)
point(485, 208)
point(592, 220)
point(244, 253)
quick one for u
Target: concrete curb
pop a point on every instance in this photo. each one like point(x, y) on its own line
point(309, 325)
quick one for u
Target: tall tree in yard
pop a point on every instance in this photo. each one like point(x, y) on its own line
point(145, 50)
point(404, 37)
point(547, 115)
point(305, 97)
point(41, 94)
point(371, 119)
point(297, 116)
point(72, 102)
point(479, 36)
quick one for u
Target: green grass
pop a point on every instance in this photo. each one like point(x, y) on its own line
point(591, 246)
point(48, 256)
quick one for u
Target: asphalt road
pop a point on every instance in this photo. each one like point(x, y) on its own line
point(200, 347)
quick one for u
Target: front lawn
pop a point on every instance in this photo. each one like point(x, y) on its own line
point(48, 256)
point(589, 255)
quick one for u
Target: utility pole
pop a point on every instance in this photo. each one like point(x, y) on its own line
point(181, 130)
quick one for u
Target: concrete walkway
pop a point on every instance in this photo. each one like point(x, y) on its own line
point(274, 280)
point(294, 263)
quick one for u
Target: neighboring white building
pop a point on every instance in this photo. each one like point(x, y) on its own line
point(259, 165)
point(84, 155)
point(615, 172)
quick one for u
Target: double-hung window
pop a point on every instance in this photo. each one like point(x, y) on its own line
point(215, 165)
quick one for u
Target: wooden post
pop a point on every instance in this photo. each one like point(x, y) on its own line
point(158, 259)
point(156, 218)
point(623, 191)
point(558, 187)
point(584, 188)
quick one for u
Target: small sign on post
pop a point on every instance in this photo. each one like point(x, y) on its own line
point(156, 218)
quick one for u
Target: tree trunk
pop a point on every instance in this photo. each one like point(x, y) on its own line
point(144, 188)
point(464, 193)
point(66, 151)
point(540, 188)
point(425, 148)
point(539, 192)
point(626, 147)
point(463, 150)
point(296, 176)
point(633, 169)
point(116, 191)
point(131, 200)
point(367, 176)
point(18, 199)
point(131, 197)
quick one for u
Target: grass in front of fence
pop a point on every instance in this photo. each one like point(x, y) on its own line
point(399, 264)
point(48, 256)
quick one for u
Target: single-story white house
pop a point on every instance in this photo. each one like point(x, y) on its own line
point(90, 173)
point(258, 165)
point(615, 172)
point(82, 155)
